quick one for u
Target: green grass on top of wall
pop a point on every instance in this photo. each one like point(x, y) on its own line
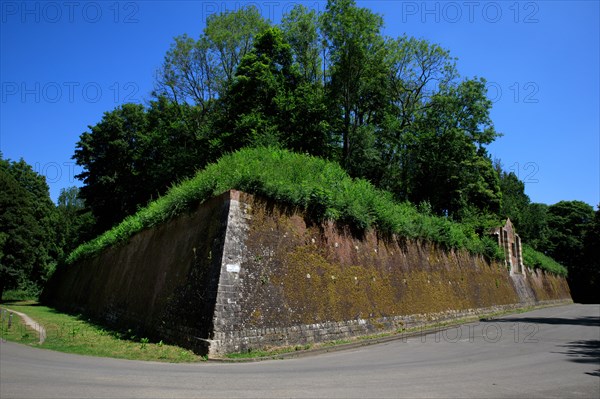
point(535, 259)
point(321, 187)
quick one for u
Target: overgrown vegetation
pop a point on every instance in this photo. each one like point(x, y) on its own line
point(259, 353)
point(393, 111)
point(322, 188)
point(20, 295)
point(27, 236)
point(535, 259)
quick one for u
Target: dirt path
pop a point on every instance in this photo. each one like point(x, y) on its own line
point(32, 323)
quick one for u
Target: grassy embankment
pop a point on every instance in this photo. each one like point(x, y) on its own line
point(322, 188)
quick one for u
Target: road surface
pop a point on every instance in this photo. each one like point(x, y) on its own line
point(546, 353)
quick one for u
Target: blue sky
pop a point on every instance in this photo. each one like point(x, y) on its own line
point(63, 64)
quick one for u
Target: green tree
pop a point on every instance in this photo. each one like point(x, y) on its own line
point(533, 227)
point(271, 103)
point(569, 223)
point(197, 72)
point(445, 162)
point(357, 71)
point(417, 71)
point(515, 202)
point(306, 122)
point(260, 94)
point(109, 155)
point(301, 30)
point(590, 284)
point(175, 146)
point(134, 154)
point(530, 219)
point(73, 222)
point(27, 241)
point(15, 222)
point(190, 73)
point(231, 36)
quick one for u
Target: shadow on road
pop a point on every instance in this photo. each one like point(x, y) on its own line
point(592, 321)
point(584, 352)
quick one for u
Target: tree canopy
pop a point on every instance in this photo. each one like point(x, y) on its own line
point(391, 110)
point(27, 238)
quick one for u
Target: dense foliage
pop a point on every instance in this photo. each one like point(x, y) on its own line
point(35, 234)
point(134, 154)
point(393, 111)
point(73, 222)
point(27, 238)
point(573, 241)
point(535, 259)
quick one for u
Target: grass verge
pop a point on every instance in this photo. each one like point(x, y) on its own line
point(12, 328)
point(74, 334)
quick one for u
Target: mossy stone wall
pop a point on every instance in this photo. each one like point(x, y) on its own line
point(162, 283)
point(243, 272)
point(301, 281)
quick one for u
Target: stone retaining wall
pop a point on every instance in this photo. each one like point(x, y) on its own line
point(246, 273)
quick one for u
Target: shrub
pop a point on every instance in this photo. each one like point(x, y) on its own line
point(491, 249)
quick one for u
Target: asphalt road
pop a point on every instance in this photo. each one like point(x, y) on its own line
point(546, 353)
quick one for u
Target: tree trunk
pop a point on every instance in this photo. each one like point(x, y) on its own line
point(346, 138)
